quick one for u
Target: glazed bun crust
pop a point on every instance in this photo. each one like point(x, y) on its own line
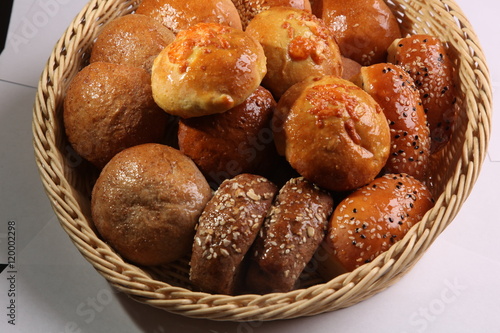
point(209, 68)
point(236, 141)
point(296, 44)
point(133, 40)
point(249, 8)
point(426, 59)
point(227, 228)
point(179, 15)
point(332, 132)
point(292, 231)
point(370, 220)
point(147, 201)
point(364, 29)
point(110, 107)
point(395, 91)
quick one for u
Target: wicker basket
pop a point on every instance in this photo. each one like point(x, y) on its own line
point(68, 179)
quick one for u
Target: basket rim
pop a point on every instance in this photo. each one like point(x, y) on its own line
point(139, 285)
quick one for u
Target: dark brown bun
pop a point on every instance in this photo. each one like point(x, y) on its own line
point(297, 44)
point(236, 141)
point(249, 8)
point(291, 234)
point(209, 68)
point(227, 228)
point(364, 29)
point(110, 107)
point(332, 132)
point(146, 203)
point(370, 220)
point(426, 59)
point(178, 15)
point(133, 40)
point(350, 68)
point(395, 91)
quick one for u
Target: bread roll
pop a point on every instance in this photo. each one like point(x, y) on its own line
point(296, 44)
point(350, 68)
point(209, 68)
point(364, 29)
point(395, 91)
point(249, 8)
point(226, 230)
point(110, 107)
point(426, 59)
point(370, 220)
point(133, 40)
point(178, 15)
point(292, 231)
point(146, 203)
point(236, 141)
point(332, 132)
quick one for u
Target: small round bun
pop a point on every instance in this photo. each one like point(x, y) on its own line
point(426, 59)
point(364, 29)
point(110, 107)
point(236, 141)
point(395, 91)
point(146, 203)
point(291, 234)
point(133, 40)
point(297, 44)
point(178, 15)
point(370, 220)
point(249, 8)
point(226, 230)
point(332, 132)
point(209, 68)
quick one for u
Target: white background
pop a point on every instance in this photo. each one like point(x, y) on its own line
point(453, 288)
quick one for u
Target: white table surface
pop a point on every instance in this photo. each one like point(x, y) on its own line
point(453, 288)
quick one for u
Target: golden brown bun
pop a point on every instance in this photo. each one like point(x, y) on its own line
point(425, 58)
point(350, 68)
point(364, 29)
point(292, 231)
point(226, 230)
point(394, 90)
point(249, 8)
point(133, 40)
point(236, 141)
point(147, 201)
point(370, 220)
point(332, 132)
point(209, 68)
point(179, 15)
point(296, 44)
point(108, 108)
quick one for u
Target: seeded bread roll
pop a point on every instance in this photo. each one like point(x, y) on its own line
point(332, 132)
point(249, 8)
point(133, 40)
point(292, 231)
point(209, 68)
point(364, 29)
point(297, 44)
point(178, 15)
point(226, 230)
point(146, 203)
point(370, 220)
point(426, 59)
point(109, 107)
point(396, 93)
point(236, 141)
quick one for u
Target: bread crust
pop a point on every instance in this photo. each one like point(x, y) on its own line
point(227, 228)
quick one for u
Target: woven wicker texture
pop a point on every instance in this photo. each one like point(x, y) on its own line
point(68, 179)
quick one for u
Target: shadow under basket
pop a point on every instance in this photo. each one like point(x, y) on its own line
point(68, 179)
